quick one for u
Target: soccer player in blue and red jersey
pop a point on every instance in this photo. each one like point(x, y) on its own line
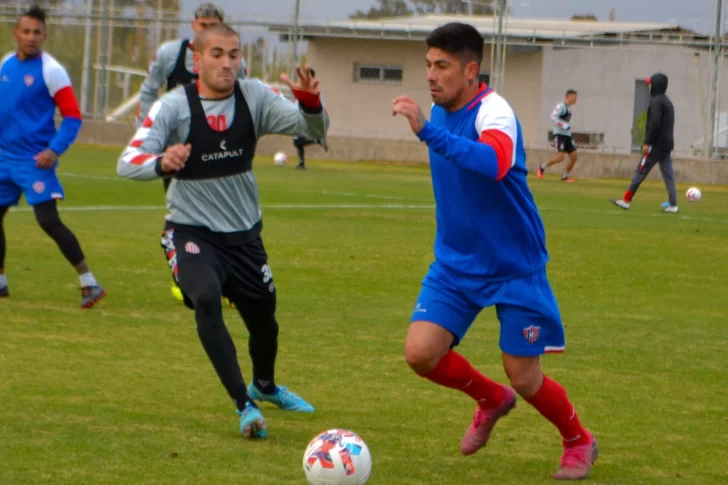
point(489, 251)
point(32, 85)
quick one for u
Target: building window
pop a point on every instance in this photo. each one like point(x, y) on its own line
point(582, 140)
point(365, 73)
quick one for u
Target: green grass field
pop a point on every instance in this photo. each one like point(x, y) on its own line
point(123, 393)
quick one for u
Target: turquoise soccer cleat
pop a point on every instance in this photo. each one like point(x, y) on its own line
point(252, 423)
point(282, 397)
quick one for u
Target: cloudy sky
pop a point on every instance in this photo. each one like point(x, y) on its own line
point(694, 14)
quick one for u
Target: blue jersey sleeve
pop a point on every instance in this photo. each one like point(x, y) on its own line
point(60, 90)
point(468, 154)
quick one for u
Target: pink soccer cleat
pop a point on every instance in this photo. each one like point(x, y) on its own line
point(477, 435)
point(576, 462)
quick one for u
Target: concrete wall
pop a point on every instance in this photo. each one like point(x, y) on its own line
point(364, 110)
point(605, 79)
point(590, 164)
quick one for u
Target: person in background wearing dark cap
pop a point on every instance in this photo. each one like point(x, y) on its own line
point(657, 146)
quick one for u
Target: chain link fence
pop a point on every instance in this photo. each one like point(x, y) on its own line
point(365, 61)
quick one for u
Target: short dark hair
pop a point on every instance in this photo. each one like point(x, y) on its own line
point(35, 12)
point(219, 29)
point(206, 10)
point(458, 38)
point(570, 91)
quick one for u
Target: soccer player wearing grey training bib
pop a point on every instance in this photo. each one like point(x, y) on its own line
point(203, 137)
point(173, 66)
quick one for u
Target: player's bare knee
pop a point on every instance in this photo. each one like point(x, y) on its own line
point(421, 359)
point(425, 345)
point(524, 374)
point(525, 385)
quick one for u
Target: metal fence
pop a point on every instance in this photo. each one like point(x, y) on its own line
point(363, 63)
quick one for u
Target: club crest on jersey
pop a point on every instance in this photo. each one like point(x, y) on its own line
point(192, 248)
point(531, 333)
point(29, 80)
point(38, 187)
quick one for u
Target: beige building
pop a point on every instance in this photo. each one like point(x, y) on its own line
point(363, 65)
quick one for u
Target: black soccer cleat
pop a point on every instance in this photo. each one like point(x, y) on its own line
point(91, 295)
point(4, 292)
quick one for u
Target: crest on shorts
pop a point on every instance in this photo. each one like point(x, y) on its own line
point(38, 187)
point(29, 80)
point(531, 333)
point(192, 248)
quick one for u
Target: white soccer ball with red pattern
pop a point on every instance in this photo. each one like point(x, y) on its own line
point(693, 194)
point(280, 159)
point(337, 457)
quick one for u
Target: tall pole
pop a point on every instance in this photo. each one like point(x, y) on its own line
point(296, 17)
point(103, 59)
point(109, 55)
point(714, 81)
point(158, 29)
point(86, 58)
point(499, 46)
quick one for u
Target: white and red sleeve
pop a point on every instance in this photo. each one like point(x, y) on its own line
point(497, 127)
point(59, 87)
point(139, 158)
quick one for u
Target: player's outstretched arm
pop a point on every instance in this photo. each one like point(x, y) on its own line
point(492, 155)
point(142, 158)
point(307, 119)
point(156, 78)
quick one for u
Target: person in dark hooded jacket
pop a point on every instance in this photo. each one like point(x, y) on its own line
point(658, 144)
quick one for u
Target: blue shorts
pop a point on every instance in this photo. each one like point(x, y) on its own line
point(530, 322)
point(23, 177)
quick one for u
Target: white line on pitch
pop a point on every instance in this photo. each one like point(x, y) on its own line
point(109, 208)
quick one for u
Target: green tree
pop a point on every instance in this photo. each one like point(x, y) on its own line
point(385, 8)
point(406, 8)
point(444, 7)
point(640, 125)
point(585, 18)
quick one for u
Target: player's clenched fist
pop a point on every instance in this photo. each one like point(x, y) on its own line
point(408, 107)
point(175, 157)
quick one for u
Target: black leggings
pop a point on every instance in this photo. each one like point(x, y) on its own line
point(46, 214)
point(202, 285)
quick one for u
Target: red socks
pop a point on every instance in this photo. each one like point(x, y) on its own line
point(628, 196)
point(455, 372)
point(552, 402)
